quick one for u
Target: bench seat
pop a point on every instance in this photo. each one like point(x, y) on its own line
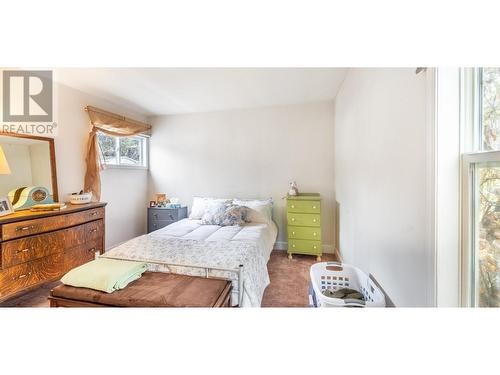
point(153, 289)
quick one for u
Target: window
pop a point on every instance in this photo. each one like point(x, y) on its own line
point(481, 175)
point(126, 152)
point(490, 108)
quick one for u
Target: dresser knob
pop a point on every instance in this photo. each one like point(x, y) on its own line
point(293, 206)
point(21, 229)
point(171, 216)
point(93, 230)
point(92, 250)
point(314, 234)
point(93, 213)
point(22, 276)
point(314, 207)
point(293, 245)
point(314, 247)
point(293, 219)
point(23, 251)
point(293, 233)
point(314, 220)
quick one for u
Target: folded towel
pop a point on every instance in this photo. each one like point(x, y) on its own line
point(106, 275)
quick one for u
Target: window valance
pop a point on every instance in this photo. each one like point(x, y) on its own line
point(115, 124)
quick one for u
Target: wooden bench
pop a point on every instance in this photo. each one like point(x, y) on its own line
point(153, 289)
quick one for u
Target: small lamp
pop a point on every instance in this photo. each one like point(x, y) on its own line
point(4, 166)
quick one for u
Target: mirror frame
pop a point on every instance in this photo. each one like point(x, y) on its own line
point(52, 152)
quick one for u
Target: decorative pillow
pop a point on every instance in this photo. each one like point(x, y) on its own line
point(234, 215)
point(201, 204)
point(225, 215)
point(213, 213)
point(259, 211)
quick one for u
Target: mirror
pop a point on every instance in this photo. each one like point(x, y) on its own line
point(27, 161)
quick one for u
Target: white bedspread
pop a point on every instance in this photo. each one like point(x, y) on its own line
point(190, 245)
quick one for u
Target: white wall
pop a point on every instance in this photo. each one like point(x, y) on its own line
point(252, 153)
point(125, 191)
point(381, 174)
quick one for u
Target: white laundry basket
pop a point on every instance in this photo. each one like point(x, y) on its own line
point(335, 276)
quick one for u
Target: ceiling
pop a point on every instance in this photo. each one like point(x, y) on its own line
point(163, 91)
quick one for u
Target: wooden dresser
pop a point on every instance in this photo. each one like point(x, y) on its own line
point(304, 224)
point(41, 247)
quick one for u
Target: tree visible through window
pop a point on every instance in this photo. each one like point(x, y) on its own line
point(488, 192)
point(490, 107)
point(488, 280)
point(123, 151)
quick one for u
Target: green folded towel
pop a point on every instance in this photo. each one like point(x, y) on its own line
point(106, 275)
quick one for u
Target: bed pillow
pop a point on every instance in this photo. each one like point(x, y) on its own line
point(260, 211)
point(213, 211)
point(234, 215)
point(201, 204)
point(225, 214)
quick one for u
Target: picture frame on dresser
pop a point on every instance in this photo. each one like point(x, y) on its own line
point(5, 206)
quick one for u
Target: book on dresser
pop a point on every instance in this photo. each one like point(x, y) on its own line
point(38, 247)
point(161, 217)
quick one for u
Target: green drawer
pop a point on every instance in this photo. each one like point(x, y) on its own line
point(308, 220)
point(304, 233)
point(306, 207)
point(304, 247)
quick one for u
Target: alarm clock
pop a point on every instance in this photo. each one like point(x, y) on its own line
point(25, 197)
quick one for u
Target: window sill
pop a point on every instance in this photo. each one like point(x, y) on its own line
point(111, 166)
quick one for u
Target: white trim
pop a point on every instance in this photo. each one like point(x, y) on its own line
point(281, 245)
point(338, 255)
point(447, 189)
point(114, 166)
point(145, 148)
point(481, 157)
point(468, 225)
point(431, 188)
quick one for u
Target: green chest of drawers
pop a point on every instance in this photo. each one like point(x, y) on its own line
point(303, 214)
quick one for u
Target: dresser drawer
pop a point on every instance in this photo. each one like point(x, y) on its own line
point(81, 254)
point(164, 214)
point(306, 207)
point(48, 224)
point(94, 230)
point(23, 276)
point(158, 224)
point(34, 247)
point(304, 247)
point(304, 233)
point(308, 220)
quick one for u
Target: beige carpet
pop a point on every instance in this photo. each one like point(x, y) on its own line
point(289, 280)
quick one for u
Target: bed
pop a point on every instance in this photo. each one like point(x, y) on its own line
point(236, 253)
